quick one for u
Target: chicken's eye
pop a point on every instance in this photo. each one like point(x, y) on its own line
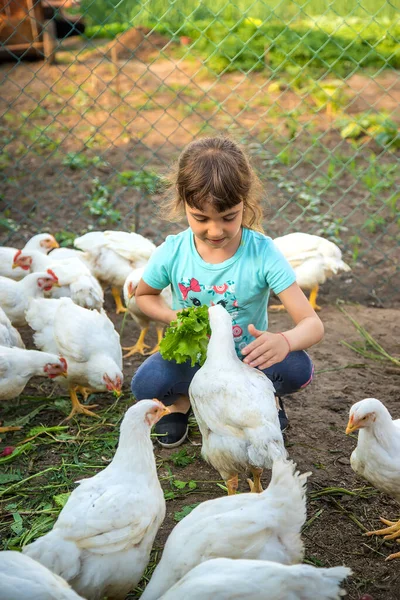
point(196, 301)
point(222, 303)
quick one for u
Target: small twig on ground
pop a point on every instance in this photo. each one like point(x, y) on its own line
point(372, 349)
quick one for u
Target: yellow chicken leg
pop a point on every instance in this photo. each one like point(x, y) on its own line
point(256, 487)
point(85, 392)
point(232, 485)
point(120, 308)
point(77, 407)
point(140, 346)
point(313, 298)
point(160, 331)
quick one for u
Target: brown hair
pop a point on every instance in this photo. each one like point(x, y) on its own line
point(215, 170)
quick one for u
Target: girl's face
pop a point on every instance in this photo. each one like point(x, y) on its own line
point(215, 229)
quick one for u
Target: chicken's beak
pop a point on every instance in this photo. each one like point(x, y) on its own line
point(165, 411)
point(53, 244)
point(351, 426)
point(14, 265)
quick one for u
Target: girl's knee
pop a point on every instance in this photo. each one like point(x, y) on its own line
point(144, 385)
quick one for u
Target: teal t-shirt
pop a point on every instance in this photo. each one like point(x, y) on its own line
point(241, 284)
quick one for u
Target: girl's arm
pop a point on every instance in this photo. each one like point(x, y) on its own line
point(270, 348)
point(153, 305)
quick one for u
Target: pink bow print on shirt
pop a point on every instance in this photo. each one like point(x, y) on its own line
point(194, 286)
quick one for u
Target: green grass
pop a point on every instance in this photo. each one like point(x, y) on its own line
point(238, 40)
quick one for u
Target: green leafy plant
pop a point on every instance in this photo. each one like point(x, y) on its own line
point(143, 181)
point(186, 510)
point(187, 337)
point(65, 238)
point(182, 458)
point(377, 126)
point(99, 204)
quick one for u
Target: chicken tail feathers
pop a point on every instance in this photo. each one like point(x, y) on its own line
point(59, 555)
point(320, 583)
point(287, 493)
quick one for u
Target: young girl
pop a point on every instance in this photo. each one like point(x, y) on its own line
point(222, 258)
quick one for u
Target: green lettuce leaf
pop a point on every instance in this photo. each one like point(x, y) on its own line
point(187, 337)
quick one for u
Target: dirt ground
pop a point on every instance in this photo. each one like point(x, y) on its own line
point(316, 441)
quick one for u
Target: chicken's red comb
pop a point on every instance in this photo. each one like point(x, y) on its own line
point(18, 252)
point(52, 275)
point(64, 363)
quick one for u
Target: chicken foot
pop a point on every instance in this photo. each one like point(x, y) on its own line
point(119, 307)
point(232, 484)
point(160, 331)
point(85, 392)
point(255, 485)
point(390, 533)
point(139, 347)
point(77, 407)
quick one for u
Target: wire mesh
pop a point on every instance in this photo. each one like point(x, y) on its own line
point(98, 98)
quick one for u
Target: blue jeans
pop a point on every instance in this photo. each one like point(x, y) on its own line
point(166, 380)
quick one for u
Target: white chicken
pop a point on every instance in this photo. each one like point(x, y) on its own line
point(137, 315)
point(42, 242)
point(23, 578)
point(113, 255)
point(88, 341)
point(314, 260)
point(102, 539)
point(253, 526)
point(74, 277)
point(376, 457)
point(224, 579)
point(16, 295)
point(9, 336)
point(18, 365)
point(235, 409)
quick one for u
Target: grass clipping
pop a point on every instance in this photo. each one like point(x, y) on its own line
point(187, 337)
point(369, 348)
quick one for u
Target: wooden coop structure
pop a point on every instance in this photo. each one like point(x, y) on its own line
point(30, 27)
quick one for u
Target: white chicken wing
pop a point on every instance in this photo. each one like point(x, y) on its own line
point(23, 578)
point(314, 260)
point(88, 341)
point(224, 579)
point(235, 409)
point(253, 526)
point(113, 255)
point(102, 539)
point(376, 457)
point(9, 336)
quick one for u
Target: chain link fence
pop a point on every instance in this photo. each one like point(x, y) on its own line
point(98, 99)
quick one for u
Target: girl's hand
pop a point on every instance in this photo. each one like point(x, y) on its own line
point(266, 350)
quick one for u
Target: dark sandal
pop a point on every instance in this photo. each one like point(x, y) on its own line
point(172, 429)
point(283, 418)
